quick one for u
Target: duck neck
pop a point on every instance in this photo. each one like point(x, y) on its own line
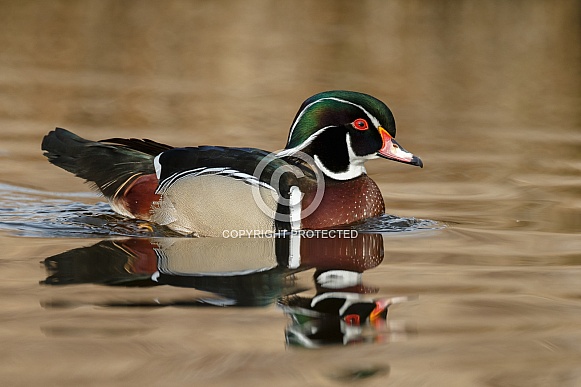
point(354, 169)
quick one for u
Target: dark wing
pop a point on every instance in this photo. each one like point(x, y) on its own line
point(249, 165)
point(141, 145)
point(107, 166)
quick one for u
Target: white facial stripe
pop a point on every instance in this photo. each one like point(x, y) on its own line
point(374, 120)
point(349, 298)
point(291, 151)
point(356, 164)
point(355, 159)
point(352, 172)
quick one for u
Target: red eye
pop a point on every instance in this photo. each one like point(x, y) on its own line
point(360, 124)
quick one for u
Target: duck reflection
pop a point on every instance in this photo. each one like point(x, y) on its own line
point(250, 272)
point(342, 310)
point(239, 272)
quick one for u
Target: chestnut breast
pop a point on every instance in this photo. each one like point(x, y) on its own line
point(344, 202)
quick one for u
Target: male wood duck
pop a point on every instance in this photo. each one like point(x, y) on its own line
point(318, 181)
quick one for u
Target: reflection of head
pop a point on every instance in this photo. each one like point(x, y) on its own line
point(335, 318)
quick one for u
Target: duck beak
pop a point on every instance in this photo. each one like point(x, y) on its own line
point(393, 151)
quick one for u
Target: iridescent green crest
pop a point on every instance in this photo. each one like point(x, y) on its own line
point(337, 108)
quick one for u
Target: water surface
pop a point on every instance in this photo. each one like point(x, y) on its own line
point(482, 252)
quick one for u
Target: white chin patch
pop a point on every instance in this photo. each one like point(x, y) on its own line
point(356, 164)
point(352, 172)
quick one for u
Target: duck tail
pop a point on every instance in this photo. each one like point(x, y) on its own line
point(109, 165)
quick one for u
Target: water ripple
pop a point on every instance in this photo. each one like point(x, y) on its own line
point(33, 213)
point(390, 223)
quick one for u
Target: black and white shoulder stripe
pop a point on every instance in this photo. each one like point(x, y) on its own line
point(167, 182)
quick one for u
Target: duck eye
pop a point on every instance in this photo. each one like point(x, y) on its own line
point(360, 124)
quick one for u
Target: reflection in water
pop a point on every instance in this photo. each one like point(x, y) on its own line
point(249, 272)
point(488, 92)
point(37, 213)
point(344, 316)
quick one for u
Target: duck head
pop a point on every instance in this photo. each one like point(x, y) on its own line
point(341, 130)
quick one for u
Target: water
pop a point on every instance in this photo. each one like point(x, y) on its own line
point(480, 253)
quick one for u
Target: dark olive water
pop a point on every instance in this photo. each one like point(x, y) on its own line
point(479, 257)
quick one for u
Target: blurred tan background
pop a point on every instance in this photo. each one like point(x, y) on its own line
point(487, 93)
point(460, 76)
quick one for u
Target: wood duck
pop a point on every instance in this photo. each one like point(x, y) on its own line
point(318, 181)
